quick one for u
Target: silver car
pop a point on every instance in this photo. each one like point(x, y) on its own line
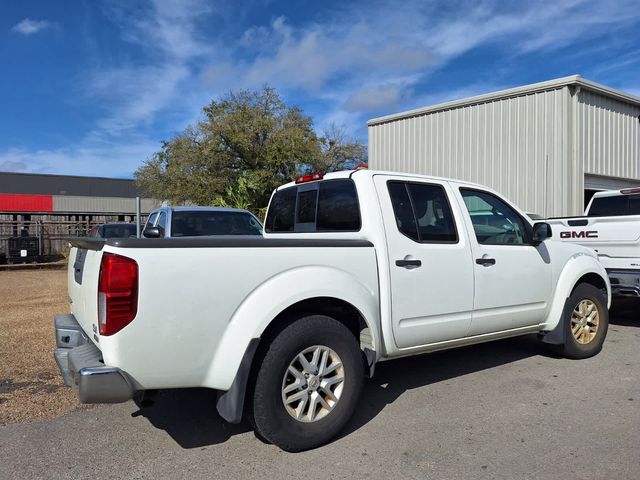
point(173, 222)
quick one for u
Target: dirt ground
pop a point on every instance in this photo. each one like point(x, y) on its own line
point(30, 385)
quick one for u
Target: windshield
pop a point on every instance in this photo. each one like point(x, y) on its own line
point(201, 223)
point(119, 230)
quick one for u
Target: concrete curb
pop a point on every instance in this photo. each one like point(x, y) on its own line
point(34, 266)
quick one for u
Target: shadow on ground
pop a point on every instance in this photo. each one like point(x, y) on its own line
point(190, 418)
point(394, 378)
point(625, 312)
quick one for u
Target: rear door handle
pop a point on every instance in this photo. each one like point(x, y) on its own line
point(408, 263)
point(485, 261)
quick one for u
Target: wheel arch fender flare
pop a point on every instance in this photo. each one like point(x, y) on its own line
point(576, 268)
point(274, 296)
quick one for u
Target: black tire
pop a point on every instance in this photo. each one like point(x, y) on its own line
point(270, 418)
point(572, 348)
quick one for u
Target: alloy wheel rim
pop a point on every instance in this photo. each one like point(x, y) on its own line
point(313, 384)
point(585, 320)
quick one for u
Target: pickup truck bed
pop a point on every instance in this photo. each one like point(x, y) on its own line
point(612, 233)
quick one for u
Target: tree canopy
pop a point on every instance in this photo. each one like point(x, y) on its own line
point(248, 143)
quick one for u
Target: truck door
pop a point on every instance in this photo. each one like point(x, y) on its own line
point(431, 270)
point(512, 277)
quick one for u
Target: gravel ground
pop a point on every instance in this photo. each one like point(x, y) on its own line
point(30, 384)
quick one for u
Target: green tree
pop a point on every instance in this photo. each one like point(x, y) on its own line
point(340, 152)
point(247, 144)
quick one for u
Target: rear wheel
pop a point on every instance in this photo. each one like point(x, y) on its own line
point(586, 320)
point(308, 384)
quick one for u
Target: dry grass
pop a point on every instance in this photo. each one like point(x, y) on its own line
point(30, 385)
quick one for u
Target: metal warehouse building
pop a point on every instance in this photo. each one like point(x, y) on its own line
point(51, 207)
point(547, 146)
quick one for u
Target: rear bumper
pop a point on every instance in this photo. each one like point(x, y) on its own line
point(81, 365)
point(624, 283)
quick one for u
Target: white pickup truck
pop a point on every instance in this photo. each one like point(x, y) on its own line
point(355, 268)
point(611, 227)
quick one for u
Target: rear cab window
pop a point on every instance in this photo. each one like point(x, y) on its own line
point(326, 206)
point(634, 204)
point(611, 206)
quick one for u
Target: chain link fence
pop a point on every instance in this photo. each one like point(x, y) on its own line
point(25, 241)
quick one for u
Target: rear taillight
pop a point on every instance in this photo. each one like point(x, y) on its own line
point(117, 293)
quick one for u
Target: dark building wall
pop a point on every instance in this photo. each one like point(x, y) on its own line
point(29, 183)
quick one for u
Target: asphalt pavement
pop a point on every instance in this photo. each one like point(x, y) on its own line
point(504, 410)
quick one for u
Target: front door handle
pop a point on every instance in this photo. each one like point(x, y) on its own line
point(486, 261)
point(408, 263)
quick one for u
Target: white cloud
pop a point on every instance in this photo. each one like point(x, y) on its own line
point(387, 41)
point(355, 57)
point(29, 27)
point(87, 158)
point(375, 98)
point(12, 165)
point(350, 62)
point(134, 94)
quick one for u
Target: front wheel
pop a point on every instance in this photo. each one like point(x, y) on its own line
point(586, 320)
point(308, 384)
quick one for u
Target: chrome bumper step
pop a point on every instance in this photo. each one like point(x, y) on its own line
point(81, 365)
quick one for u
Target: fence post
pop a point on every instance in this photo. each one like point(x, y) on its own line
point(39, 234)
point(138, 232)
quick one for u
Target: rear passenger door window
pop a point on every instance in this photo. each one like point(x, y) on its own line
point(422, 212)
point(338, 207)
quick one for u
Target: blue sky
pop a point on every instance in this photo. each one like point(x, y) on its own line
point(93, 87)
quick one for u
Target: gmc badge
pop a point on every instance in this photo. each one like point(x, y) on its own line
point(582, 234)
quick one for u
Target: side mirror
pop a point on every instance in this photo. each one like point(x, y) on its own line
point(541, 231)
point(152, 232)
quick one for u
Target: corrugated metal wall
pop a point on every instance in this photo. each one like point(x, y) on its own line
point(609, 136)
point(76, 204)
point(518, 146)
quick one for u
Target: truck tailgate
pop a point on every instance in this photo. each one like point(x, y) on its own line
point(609, 236)
point(82, 283)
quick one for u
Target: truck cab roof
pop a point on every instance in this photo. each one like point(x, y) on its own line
point(361, 172)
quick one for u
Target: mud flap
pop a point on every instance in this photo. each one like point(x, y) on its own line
point(230, 404)
point(370, 356)
point(557, 336)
